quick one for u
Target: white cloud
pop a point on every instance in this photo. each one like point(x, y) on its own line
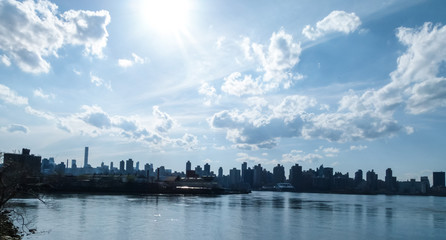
point(163, 120)
point(418, 68)
point(336, 21)
point(99, 81)
point(244, 157)
point(210, 94)
point(31, 31)
point(235, 86)
point(296, 156)
point(17, 128)
point(261, 125)
point(5, 60)
point(219, 42)
point(125, 63)
point(275, 63)
point(39, 93)
point(9, 96)
point(358, 147)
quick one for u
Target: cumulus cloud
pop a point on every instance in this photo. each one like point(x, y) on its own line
point(276, 62)
point(9, 96)
point(418, 69)
point(358, 147)
point(99, 81)
point(295, 156)
point(261, 125)
point(32, 31)
point(244, 157)
point(125, 63)
point(95, 116)
point(336, 21)
point(164, 122)
point(210, 94)
point(17, 128)
point(5, 60)
point(233, 85)
point(39, 93)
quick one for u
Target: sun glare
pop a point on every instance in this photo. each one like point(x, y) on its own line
point(166, 15)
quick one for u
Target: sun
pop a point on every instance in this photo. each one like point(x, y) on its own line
point(166, 15)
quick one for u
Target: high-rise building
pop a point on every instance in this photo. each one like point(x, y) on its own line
point(390, 181)
point(234, 177)
point(86, 157)
point(24, 163)
point(257, 179)
point(207, 170)
point(244, 167)
point(372, 180)
point(278, 174)
point(220, 172)
point(439, 179)
point(137, 166)
point(73, 163)
point(296, 177)
point(129, 166)
point(111, 165)
point(188, 166)
point(358, 176)
point(122, 166)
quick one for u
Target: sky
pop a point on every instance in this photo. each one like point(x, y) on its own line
point(347, 84)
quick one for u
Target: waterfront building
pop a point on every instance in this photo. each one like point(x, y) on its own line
point(220, 172)
point(257, 179)
point(122, 166)
point(188, 166)
point(372, 180)
point(129, 166)
point(25, 163)
point(234, 177)
point(358, 177)
point(86, 157)
point(390, 181)
point(73, 164)
point(207, 170)
point(296, 177)
point(244, 168)
point(199, 171)
point(278, 174)
point(439, 179)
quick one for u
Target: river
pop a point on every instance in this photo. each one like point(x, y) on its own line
point(259, 215)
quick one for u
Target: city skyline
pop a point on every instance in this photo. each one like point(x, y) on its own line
point(336, 83)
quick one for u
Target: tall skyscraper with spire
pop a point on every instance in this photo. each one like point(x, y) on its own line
point(86, 157)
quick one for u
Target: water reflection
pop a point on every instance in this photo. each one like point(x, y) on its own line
point(259, 215)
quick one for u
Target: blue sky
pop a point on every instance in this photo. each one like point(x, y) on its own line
point(348, 84)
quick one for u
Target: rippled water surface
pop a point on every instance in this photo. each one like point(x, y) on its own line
point(259, 215)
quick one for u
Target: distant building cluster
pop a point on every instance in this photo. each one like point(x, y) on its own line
point(322, 179)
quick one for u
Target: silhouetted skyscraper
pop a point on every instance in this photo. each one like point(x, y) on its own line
point(279, 174)
point(296, 177)
point(439, 179)
point(220, 172)
point(86, 157)
point(188, 166)
point(358, 176)
point(244, 167)
point(122, 166)
point(207, 170)
point(129, 166)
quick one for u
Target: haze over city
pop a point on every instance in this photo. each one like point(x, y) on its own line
point(345, 84)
